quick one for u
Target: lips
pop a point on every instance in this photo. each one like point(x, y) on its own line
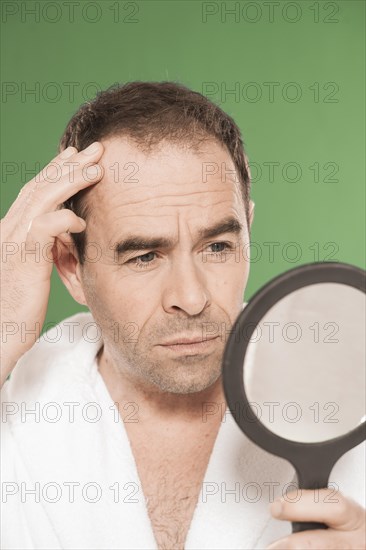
point(183, 340)
point(190, 346)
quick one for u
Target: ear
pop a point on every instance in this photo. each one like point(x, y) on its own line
point(67, 263)
point(251, 212)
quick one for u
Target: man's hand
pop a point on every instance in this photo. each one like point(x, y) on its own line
point(345, 518)
point(28, 233)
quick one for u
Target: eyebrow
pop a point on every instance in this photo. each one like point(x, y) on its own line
point(139, 242)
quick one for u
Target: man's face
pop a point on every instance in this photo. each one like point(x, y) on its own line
point(186, 284)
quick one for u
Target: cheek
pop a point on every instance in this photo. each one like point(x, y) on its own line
point(233, 272)
point(227, 285)
point(111, 297)
point(229, 290)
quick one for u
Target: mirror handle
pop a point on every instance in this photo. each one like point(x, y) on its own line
point(298, 526)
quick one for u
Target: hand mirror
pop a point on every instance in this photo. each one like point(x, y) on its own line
point(294, 369)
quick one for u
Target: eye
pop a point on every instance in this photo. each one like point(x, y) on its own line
point(220, 252)
point(219, 247)
point(143, 261)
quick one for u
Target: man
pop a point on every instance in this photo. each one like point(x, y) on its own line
point(159, 175)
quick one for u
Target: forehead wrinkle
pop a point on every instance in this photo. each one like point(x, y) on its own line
point(182, 191)
point(156, 178)
point(149, 197)
point(163, 210)
point(156, 216)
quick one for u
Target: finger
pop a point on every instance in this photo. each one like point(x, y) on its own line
point(46, 196)
point(38, 242)
point(68, 162)
point(66, 168)
point(25, 199)
point(24, 193)
point(50, 196)
point(43, 230)
point(325, 506)
point(50, 171)
point(53, 224)
point(318, 540)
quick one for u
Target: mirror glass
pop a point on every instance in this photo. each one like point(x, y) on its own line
point(304, 370)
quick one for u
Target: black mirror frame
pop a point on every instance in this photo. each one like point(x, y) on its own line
point(312, 468)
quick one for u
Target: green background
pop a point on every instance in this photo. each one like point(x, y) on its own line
point(315, 49)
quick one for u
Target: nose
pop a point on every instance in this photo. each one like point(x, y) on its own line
point(185, 288)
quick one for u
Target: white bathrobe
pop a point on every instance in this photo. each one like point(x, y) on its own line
point(69, 479)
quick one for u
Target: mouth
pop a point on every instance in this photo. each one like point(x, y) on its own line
point(189, 345)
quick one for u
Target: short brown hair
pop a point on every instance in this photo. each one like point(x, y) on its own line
point(148, 113)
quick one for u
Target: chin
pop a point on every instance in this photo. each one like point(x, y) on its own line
point(185, 385)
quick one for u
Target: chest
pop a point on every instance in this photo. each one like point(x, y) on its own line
point(171, 476)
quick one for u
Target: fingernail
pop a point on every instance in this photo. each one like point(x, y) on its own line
point(92, 148)
point(67, 153)
point(82, 221)
point(276, 508)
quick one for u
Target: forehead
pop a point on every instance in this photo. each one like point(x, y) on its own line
point(166, 181)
